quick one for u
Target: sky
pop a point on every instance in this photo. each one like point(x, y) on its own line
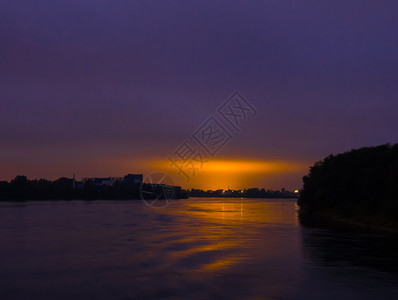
point(105, 88)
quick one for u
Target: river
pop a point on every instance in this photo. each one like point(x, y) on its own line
point(198, 248)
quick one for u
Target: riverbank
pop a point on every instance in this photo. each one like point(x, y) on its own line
point(373, 224)
point(358, 188)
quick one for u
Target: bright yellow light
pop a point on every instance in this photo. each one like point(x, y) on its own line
point(238, 166)
point(223, 174)
point(243, 166)
point(296, 191)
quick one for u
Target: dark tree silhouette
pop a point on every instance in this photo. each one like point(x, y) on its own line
point(360, 185)
point(20, 189)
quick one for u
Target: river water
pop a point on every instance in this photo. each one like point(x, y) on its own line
point(199, 248)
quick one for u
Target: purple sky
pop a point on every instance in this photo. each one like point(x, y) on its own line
point(98, 88)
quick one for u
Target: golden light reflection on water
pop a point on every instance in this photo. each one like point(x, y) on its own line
point(230, 211)
point(214, 234)
point(222, 263)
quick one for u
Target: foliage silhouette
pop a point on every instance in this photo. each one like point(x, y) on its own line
point(360, 186)
point(20, 189)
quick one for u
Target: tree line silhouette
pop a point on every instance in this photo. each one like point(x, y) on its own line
point(20, 188)
point(245, 193)
point(359, 185)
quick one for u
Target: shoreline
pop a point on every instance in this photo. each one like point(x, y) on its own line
point(334, 221)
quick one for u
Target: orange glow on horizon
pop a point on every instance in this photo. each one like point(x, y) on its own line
point(241, 166)
point(228, 173)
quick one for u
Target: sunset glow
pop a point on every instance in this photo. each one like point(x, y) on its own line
point(198, 149)
point(230, 173)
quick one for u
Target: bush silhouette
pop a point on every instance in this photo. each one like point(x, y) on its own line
point(360, 184)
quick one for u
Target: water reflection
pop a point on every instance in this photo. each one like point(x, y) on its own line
point(334, 248)
point(216, 231)
point(196, 248)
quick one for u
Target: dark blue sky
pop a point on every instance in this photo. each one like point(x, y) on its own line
point(100, 87)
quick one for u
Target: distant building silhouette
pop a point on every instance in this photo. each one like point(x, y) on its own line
point(100, 182)
point(133, 178)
